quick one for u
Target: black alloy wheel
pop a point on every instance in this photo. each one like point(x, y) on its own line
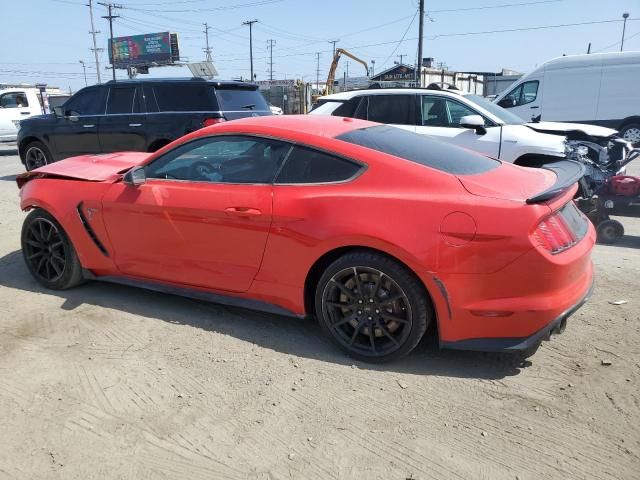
point(36, 155)
point(44, 250)
point(374, 310)
point(48, 253)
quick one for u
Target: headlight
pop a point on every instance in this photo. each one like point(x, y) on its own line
point(573, 150)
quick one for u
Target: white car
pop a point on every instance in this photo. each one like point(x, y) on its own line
point(16, 104)
point(472, 121)
point(275, 110)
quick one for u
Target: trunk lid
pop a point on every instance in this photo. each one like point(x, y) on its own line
point(509, 182)
point(554, 184)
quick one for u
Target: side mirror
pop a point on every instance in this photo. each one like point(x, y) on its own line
point(474, 122)
point(135, 177)
point(58, 111)
point(507, 102)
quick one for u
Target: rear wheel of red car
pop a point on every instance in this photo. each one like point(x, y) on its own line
point(36, 155)
point(48, 252)
point(373, 307)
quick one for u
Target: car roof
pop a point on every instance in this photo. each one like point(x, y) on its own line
point(183, 80)
point(315, 125)
point(392, 91)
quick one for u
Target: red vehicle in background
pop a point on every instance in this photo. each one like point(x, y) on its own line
point(376, 231)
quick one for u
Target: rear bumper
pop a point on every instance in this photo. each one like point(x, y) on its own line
point(519, 344)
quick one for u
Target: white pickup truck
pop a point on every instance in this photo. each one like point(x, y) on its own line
point(16, 104)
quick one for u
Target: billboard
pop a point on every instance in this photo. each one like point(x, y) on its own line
point(149, 49)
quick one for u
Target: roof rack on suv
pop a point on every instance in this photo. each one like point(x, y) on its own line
point(441, 86)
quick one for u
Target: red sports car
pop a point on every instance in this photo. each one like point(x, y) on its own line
point(376, 231)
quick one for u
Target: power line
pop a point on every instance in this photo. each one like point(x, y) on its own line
point(210, 9)
point(399, 41)
point(489, 7)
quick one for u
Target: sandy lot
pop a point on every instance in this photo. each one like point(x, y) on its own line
point(107, 381)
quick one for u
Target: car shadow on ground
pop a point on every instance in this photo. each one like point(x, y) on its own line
point(301, 337)
point(628, 241)
point(8, 178)
point(8, 152)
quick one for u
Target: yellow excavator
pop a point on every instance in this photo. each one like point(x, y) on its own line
point(334, 65)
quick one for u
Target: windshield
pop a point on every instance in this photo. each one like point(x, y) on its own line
point(505, 116)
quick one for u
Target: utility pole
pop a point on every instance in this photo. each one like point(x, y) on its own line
point(250, 23)
point(346, 74)
point(110, 17)
point(270, 44)
point(401, 56)
point(93, 32)
point(334, 47)
point(373, 68)
point(318, 72)
point(624, 27)
point(421, 32)
point(207, 49)
point(84, 69)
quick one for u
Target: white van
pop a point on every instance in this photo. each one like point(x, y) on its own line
point(17, 104)
point(600, 89)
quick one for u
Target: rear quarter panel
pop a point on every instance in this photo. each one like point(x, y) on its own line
point(397, 207)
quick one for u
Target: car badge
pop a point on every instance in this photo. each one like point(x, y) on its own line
point(90, 212)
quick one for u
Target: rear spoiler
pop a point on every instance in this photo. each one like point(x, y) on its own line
point(568, 172)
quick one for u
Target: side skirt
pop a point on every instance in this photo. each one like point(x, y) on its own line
point(196, 294)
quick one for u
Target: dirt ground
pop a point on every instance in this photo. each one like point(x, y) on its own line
point(107, 381)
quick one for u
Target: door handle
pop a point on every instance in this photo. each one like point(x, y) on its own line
point(242, 211)
point(537, 106)
point(135, 124)
point(88, 126)
point(25, 113)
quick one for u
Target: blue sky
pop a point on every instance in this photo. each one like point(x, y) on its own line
point(43, 40)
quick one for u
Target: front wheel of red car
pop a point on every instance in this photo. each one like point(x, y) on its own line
point(48, 252)
point(373, 307)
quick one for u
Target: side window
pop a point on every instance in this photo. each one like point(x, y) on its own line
point(223, 159)
point(529, 92)
point(305, 165)
point(347, 109)
point(524, 93)
point(14, 100)
point(457, 111)
point(123, 100)
point(434, 111)
point(512, 98)
point(182, 97)
point(150, 102)
point(86, 102)
point(397, 109)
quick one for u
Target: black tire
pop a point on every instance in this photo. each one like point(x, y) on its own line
point(610, 231)
point(372, 307)
point(631, 133)
point(36, 155)
point(48, 252)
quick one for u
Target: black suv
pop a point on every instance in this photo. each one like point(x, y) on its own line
point(134, 115)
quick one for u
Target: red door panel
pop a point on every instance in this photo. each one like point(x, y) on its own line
point(202, 234)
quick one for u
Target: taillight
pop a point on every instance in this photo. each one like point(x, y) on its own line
point(212, 121)
point(554, 235)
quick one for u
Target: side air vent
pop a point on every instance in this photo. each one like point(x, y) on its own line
point(90, 231)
